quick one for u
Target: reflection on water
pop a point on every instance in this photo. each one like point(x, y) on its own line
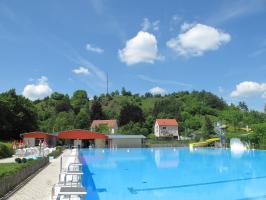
point(164, 159)
point(110, 158)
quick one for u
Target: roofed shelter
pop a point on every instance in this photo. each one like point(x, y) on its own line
point(83, 138)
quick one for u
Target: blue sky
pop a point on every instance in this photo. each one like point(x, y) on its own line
point(156, 46)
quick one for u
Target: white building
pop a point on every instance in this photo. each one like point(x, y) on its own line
point(166, 127)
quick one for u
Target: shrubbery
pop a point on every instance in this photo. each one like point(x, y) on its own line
point(57, 152)
point(5, 151)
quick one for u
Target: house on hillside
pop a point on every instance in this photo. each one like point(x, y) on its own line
point(166, 127)
point(111, 125)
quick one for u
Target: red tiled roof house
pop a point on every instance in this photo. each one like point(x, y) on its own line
point(166, 127)
point(111, 124)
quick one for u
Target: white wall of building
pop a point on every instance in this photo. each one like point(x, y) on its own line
point(157, 130)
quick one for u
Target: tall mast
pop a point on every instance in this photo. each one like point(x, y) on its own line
point(107, 83)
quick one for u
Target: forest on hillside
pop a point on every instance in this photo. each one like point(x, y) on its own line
point(196, 112)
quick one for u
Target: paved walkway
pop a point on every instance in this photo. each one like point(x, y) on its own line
point(8, 160)
point(40, 187)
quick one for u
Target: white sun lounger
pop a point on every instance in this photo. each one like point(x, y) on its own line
point(72, 191)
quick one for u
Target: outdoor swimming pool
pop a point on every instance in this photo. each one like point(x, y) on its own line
point(173, 173)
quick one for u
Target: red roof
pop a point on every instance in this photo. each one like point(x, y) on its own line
point(166, 122)
point(80, 134)
point(37, 134)
point(112, 123)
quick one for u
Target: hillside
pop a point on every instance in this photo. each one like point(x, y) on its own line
point(197, 113)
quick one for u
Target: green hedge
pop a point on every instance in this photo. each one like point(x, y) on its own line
point(7, 169)
point(57, 152)
point(5, 150)
point(12, 174)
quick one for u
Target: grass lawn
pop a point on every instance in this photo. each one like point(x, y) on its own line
point(167, 142)
point(11, 168)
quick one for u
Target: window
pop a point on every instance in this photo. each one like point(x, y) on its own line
point(164, 127)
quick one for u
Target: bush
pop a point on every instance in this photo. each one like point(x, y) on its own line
point(23, 160)
point(5, 151)
point(18, 160)
point(57, 152)
point(60, 148)
point(151, 136)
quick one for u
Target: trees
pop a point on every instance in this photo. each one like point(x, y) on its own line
point(130, 113)
point(79, 100)
point(243, 106)
point(170, 107)
point(133, 129)
point(207, 98)
point(207, 127)
point(102, 128)
point(96, 110)
point(195, 112)
point(232, 115)
point(17, 115)
point(260, 133)
point(125, 93)
point(148, 94)
point(64, 121)
point(62, 104)
point(82, 119)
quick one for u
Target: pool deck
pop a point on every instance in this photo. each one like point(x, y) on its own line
point(40, 187)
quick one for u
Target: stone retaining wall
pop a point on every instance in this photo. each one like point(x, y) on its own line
point(10, 182)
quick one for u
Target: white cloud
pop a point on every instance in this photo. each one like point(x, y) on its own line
point(39, 90)
point(92, 48)
point(81, 71)
point(157, 90)
point(195, 39)
point(141, 48)
point(148, 25)
point(248, 89)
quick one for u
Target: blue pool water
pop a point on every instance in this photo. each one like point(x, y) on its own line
point(173, 173)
